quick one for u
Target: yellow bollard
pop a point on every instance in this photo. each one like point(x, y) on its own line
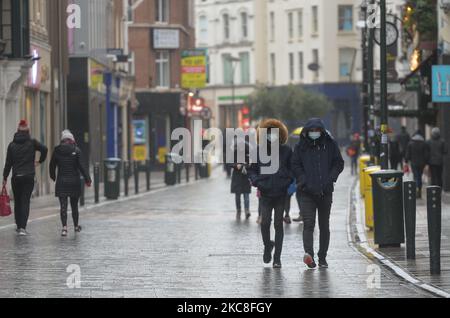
point(368, 197)
point(363, 161)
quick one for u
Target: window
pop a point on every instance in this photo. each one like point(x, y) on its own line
point(301, 72)
point(315, 53)
point(291, 67)
point(291, 25)
point(226, 26)
point(162, 10)
point(163, 69)
point(203, 29)
point(244, 24)
point(315, 19)
point(227, 69)
point(300, 23)
point(14, 27)
point(130, 13)
point(346, 57)
point(245, 67)
point(345, 18)
point(272, 26)
point(273, 66)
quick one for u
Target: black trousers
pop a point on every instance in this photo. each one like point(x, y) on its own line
point(64, 207)
point(436, 175)
point(310, 206)
point(276, 204)
point(22, 189)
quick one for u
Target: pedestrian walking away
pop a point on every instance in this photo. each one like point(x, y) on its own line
point(418, 155)
point(438, 150)
point(317, 163)
point(65, 168)
point(403, 139)
point(21, 159)
point(273, 188)
point(395, 155)
point(353, 151)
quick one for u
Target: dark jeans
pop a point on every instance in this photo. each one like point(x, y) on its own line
point(64, 207)
point(22, 188)
point(418, 173)
point(246, 201)
point(436, 175)
point(287, 205)
point(394, 163)
point(310, 205)
point(268, 205)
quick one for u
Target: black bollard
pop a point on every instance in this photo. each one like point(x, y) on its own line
point(409, 200)
point(179, 173)
point(136, 176)
point(83, 186)
point(97, 182)
point(147, 174)
point(187, 172)
point(434, 217)
point(126, 176)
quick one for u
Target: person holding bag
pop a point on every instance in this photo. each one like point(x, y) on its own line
point(66, 159)
point(21, 159)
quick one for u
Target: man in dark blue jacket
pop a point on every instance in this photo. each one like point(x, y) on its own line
point(273, 187)
point(317, 163)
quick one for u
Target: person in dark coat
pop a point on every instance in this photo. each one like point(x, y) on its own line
point(418, 155)
point(403, 139)
point(317, 163)
point(240, 184)
point(21, 158)
point(273, 187)
point(353, 151)
point(438, 150)
point(66, 159)
point(395, 155)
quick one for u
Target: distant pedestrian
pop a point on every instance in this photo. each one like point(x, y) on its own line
point(273, 188)
point(241, 187)
point(403, 139)
point(21, 158)
point(65, 168)
point(438, 150)
point(353, 151)
point(395, 155)
point(317, 164)
point(418, 154)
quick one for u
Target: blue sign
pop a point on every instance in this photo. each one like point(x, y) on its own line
point(441, 84)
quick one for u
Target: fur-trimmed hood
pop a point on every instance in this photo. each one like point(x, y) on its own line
point(275, 123)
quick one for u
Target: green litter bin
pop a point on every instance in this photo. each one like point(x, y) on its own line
point(387, 187)
point(112, 167)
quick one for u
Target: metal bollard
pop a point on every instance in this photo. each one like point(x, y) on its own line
point(409, 199)
point(178, 173)
point(147, 174)
point(97, 182)
point(434, 217)
point(187, 172)
point(126, 176)
point(83, 186)
point(136, 176)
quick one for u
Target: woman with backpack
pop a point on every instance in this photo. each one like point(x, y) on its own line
point(65, 168)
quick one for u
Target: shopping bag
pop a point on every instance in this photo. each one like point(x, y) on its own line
point(407, 173)
point(5, 206)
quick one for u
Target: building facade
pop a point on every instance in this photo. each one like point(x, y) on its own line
point(232, 33)
point(100, 85)
point(159, 31)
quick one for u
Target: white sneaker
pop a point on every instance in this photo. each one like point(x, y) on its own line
point(22, 232)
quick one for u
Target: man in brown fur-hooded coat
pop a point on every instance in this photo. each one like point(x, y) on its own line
point(273, 187)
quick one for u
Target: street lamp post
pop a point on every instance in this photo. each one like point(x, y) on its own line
point(370, 65)
point(365, 88)
point(384, 153)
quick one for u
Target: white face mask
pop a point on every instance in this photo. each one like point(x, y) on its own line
point(314, 135)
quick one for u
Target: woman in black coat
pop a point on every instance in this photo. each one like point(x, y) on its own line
point(240, 184)
point(67, 159)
